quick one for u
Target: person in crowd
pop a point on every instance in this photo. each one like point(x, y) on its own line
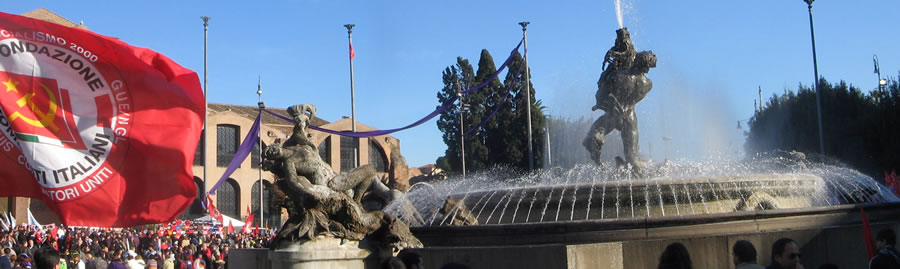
point(46, 258)
point(4, 259)
point(23, 261)
point(115, 262)
point(170, 262)
point(98, 262)
point(153, 260)
point(76, 262)
point(743, 254)
point(135, 262)
point(887, 256)
point(12, 259)
point(675, 256)
point(785, 255)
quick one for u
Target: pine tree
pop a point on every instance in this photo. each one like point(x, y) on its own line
point(501, 140)
point(515, 81)
point(491, 132)
point(448, 123)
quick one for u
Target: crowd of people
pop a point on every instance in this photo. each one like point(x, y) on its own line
point(174, 245)
point(195, 246)
point(785, 255)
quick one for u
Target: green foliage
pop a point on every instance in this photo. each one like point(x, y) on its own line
point(516, 129)
point(859, 128)
point(456, 77)
point(502, 140)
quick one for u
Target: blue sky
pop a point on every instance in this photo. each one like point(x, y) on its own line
point(713, 55)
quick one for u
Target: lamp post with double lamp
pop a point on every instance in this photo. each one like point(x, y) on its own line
point(261, 106)
point(462, 133)
point(812, 34)
point(881, 82)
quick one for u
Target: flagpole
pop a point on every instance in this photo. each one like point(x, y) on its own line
point(259, 141)
point(524, 24)
point(205, 102)
point(352, 97)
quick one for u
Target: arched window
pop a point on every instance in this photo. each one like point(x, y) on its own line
point(226, 143)
point(377, 156)
point(349, 147)
point(41, 213)
point(196, 209)
point(228, 198)
point(254, 155)
point(325, 150)
point(272, 215)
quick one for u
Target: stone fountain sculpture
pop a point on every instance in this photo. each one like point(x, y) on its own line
point(322, 204)
point(620, 88)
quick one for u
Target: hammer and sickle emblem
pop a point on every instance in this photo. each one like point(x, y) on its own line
point(45, 119)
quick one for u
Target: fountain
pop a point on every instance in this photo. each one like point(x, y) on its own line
point(590, 208)
point(622, 214)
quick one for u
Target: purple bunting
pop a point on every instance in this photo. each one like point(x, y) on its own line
point(433, 114)
point(241, 154)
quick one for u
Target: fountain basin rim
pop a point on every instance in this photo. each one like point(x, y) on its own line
point(654, 228)
point(661, 221)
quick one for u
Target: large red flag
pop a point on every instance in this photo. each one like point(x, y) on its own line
point(102, 132)
point(230, 228)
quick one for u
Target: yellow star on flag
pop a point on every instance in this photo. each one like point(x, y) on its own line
point(11, 85)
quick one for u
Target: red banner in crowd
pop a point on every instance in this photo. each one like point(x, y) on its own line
point(248, 222)
point(213, 211)
point(102, 132)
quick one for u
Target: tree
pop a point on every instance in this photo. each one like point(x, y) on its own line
point(455, 77)
point(860, 129)
point(491, 97)
point(518, 142)
point(501, 140)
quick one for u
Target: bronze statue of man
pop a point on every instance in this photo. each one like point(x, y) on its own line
point(620, 88)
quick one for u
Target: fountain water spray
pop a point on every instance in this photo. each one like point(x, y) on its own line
point(619, 13)
point(670, 189)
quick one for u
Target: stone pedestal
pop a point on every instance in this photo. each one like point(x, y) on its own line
point(322, 253)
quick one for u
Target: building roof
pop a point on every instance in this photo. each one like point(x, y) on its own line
point(47, 15)
point(267, 119)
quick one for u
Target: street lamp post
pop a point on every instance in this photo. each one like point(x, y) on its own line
point(352, 97)
point(812, 34)
point(881, 82)
point(524, 25)
point(205, 105)
point(261, 106)
point(462, 136)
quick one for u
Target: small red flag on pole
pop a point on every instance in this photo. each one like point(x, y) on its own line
point(352, 52)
